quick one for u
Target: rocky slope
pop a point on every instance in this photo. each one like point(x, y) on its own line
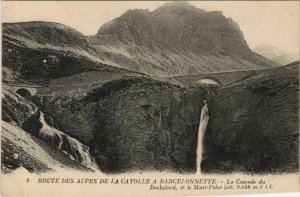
point(258, 133)
point(22, 147)
point(15, 108)
point(19, 148)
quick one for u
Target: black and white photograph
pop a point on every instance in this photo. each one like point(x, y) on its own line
point(152, 88)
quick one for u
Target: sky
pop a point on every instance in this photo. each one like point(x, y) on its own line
point(263, 22)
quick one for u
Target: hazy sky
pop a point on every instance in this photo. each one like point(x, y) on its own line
point(275, 23)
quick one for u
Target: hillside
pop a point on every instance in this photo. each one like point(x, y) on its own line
point(38, 52)
point(175, 39)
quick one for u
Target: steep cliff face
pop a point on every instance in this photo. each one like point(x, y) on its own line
point(135, 123)
point(253, 124)
point(147, 126)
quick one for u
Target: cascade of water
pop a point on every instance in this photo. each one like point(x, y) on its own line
point(49, 135)
point(84, 156)
point(202, 127)
point(68, 145)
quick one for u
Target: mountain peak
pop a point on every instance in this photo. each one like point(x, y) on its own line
point(176, 27)
point(178, 4)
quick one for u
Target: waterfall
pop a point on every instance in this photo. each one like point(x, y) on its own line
point(202, 127)
point(66, 144)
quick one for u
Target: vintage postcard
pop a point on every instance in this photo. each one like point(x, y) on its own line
point(149, 98)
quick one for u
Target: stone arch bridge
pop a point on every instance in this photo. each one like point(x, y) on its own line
point(222, 78)
point(22, 89)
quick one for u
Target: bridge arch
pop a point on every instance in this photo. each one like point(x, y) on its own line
point(209, 81)
point(24, 92)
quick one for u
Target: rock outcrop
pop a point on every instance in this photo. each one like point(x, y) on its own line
point(15, 108)
point(253, 125)
point(135, 123)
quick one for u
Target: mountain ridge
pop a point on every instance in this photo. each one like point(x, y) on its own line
point(46, 32)
point(276, 54)
point(175, 39)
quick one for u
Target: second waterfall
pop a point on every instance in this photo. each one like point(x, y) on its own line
point(202, 128)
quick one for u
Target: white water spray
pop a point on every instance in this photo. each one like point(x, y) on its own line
point(68, 145)
point(202, 127)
